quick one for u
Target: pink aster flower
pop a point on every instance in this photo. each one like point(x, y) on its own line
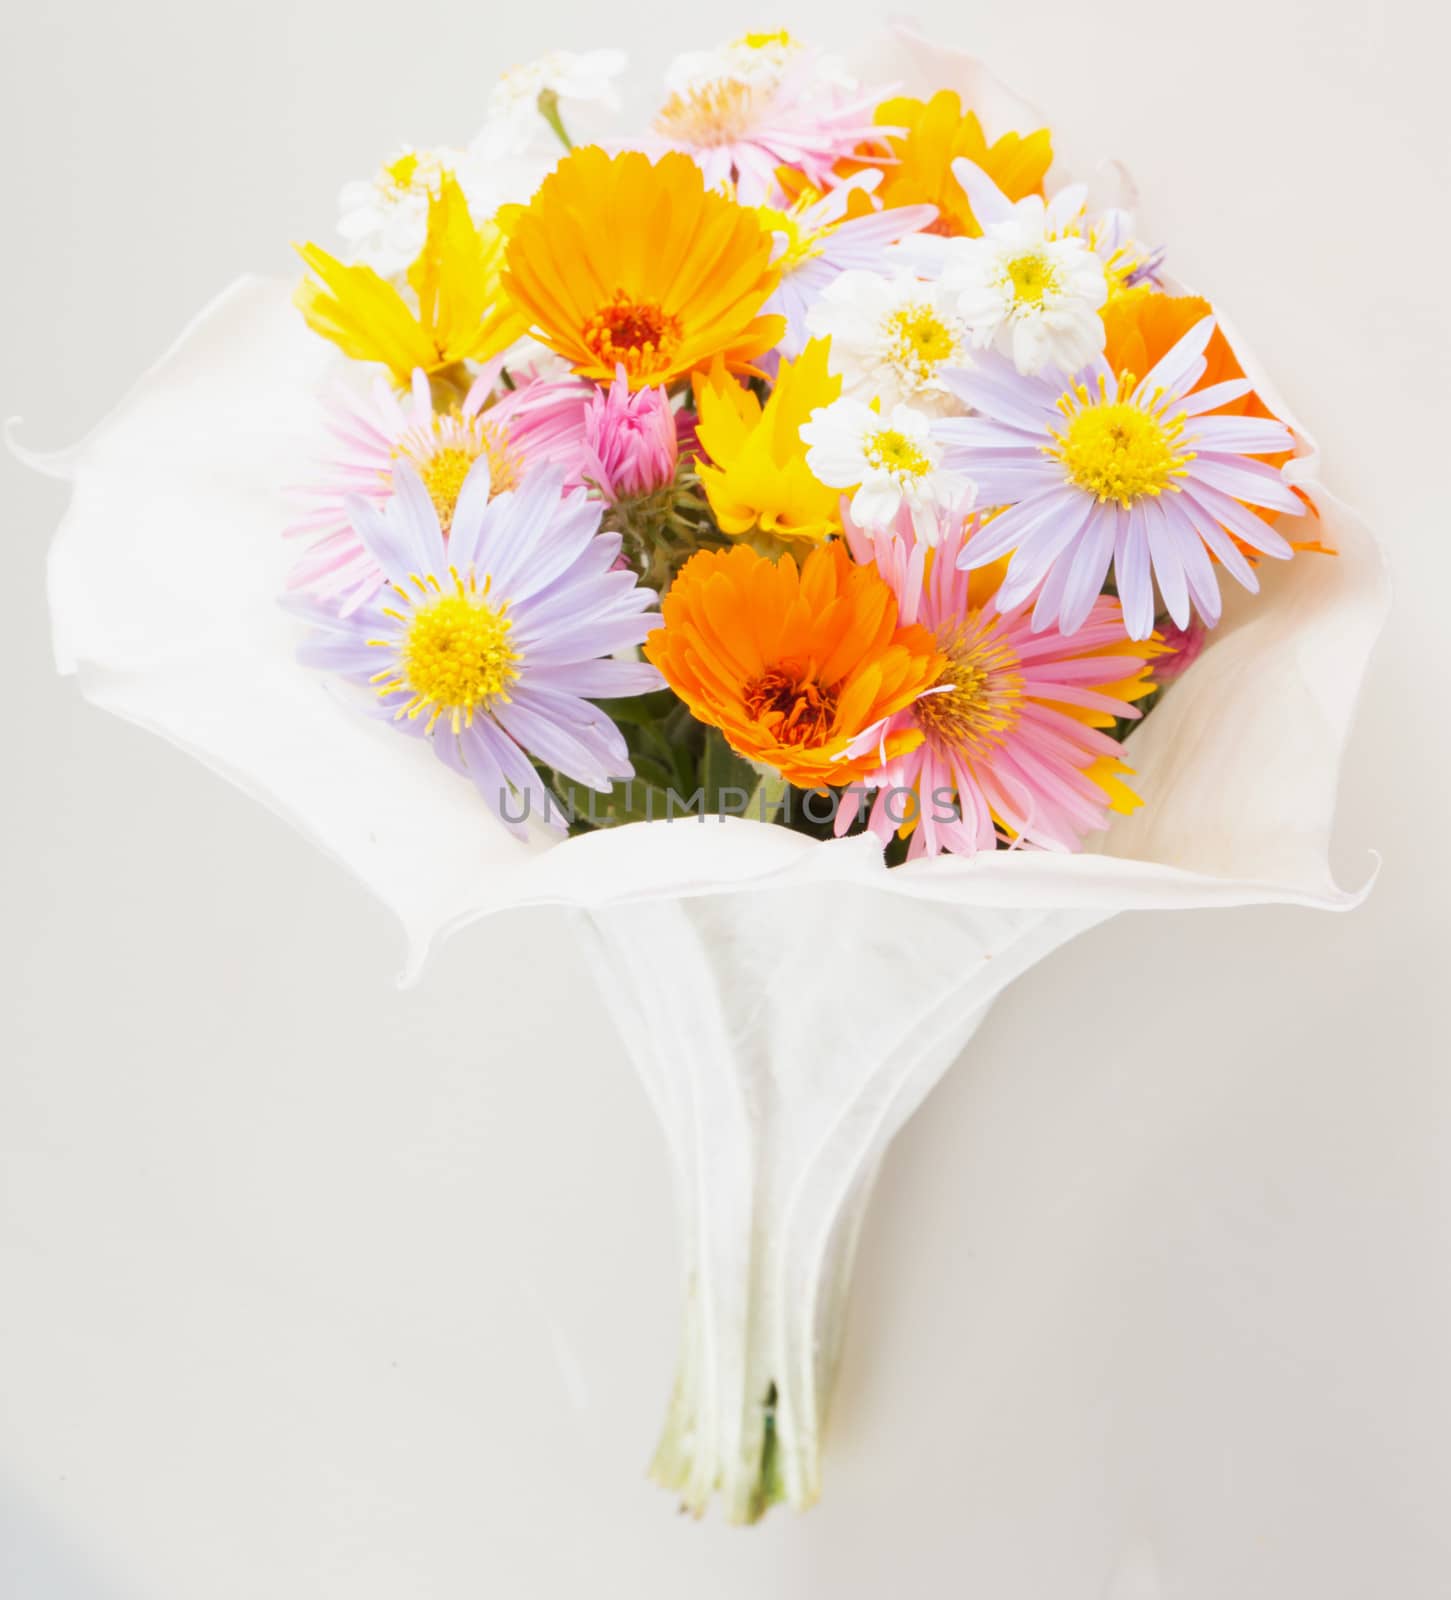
point(492, 644)
point(1100, 471)
point(740, 128)
point(630, 443)
point(1013, 744)
point(539, 423)
point(820, 237)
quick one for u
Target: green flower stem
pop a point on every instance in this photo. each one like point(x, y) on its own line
point(548, 103)
point(769, 799)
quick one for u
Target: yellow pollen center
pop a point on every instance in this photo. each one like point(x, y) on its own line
point(443, 477)
point(919, 341)
point(640, 335)
point(802, 244)
point(1117, 447)
point(402, 172)
point(977, 695)
point(763, 41)
point(708, 115)
point(891, 450)
point(455, 655)
point(445, 452)
point(1032, 277)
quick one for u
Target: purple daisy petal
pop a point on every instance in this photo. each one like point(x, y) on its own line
point(1217, 394)
point(557, 746)
point(1252, 481)
point(466, 527)
point(1247, 436)
point(1230, 556)
point(1180, 367)
point(1255, 531)
point(1042, 549)
point(1009, 529)
point(1167, 563)
point(1132, 573)
point(1088, 567)
point(411, 511)
point(989, 203)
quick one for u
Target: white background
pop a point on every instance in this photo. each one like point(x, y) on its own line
point(315, 1290)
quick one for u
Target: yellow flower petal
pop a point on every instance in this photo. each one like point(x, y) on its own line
point(463, 314)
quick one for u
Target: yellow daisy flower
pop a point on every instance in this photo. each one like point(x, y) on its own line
point(462, 312)
point(757, 480)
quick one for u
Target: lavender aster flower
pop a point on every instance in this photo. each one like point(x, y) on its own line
point(1104, 469)
point(491, 647)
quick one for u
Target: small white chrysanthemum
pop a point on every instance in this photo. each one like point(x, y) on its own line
point(384, 218)
point(891, 338)
point(760, 59)
point(514, 119)
point(1034, 299)
point(1031, 286)
point(890, 460)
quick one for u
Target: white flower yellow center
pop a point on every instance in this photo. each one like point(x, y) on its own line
point(890, 450)
point(414, 172)
point(1032, 276)
point(779, 40)
point(919, 342)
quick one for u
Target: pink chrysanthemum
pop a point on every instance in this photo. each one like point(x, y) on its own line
point(1013, 747)
point(539, 423)
point(1106, 469)
point(630, 442)
point(739, 130)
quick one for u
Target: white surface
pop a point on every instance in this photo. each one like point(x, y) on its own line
point(309, 1293)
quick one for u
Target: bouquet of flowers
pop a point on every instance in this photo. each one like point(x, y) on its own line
point(813, 540)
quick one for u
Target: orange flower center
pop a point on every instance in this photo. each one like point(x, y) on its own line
point(639, 335)
point(788, 701)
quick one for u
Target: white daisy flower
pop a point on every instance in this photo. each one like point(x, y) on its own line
point(514, 118)
point(1031, 286)
point(759, 59)
point(892, 338)
point(889, 461)
point(384, 218)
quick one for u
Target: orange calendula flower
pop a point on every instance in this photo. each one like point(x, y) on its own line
point(938, 131)
point(798, 667)
point(619, 261)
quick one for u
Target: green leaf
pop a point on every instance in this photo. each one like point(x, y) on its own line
point(721, 768)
